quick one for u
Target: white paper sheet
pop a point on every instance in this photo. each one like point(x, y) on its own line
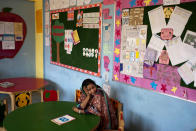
point(2, 27)
point(80, 2)
point(72, 3)
point(157, 19)
point(190, 38)
point(171, 2)
point(178, 20)
point(52, 4)
point(187, 71)
point(8, 45)
point(9, 27)
point(65, 4)
point(175, 51)
point(157, 44)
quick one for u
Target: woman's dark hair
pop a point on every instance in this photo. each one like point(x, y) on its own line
point(86, 82)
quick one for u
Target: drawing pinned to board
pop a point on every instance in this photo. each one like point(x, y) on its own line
point(168, 11)
point(70, 15)
point(150, 56)
point(106, 63)
point(136, 17)
point(150, 72)
point(68, 41)
point(190, 38)
point(79, 19)
point(106, 13)
point(164, 58)
point(166, 33)
point(125, 17)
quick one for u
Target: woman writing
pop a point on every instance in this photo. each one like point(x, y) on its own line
point(95, 101)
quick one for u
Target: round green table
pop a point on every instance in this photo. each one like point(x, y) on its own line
point(37, 117)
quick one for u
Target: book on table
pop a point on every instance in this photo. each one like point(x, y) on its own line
point(63, 119)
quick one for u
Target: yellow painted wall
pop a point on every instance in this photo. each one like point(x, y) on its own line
point(39, 38)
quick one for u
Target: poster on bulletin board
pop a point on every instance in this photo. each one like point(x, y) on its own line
point(76, 38)
point(155, 46)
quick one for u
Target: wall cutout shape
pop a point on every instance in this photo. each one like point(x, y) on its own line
point(160, 78)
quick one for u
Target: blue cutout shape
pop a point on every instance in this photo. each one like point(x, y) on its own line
point(121, 66)
point(133, 80)
point(117, 60)
point(155, 1)
point(63, 119)
point(154, 85)
point(132, 3)
point(118, 12)
point(117, 42)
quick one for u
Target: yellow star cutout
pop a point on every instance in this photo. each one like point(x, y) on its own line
point(117, 23)
point(117, 51)
point(147, 2)
point(115, 77)
point(174, 89)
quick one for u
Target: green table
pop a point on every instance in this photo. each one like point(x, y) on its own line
point(37, 117)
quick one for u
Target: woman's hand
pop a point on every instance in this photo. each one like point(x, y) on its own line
point(75, 109)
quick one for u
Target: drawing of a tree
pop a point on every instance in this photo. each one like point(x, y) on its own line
point(58, 36)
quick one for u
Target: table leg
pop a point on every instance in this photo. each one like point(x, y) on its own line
point(41, 93)
point(30, 97)
point(12, 96)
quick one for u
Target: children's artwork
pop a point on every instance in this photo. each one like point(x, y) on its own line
point(8, 45)
point(171, 2)
point(108, 2)
point(106, 13)
point(157, 24)
point(168, 75)
point(166, 33)
point(133, 47)
point(187, 71)
point(136, 16)
point(68, 42)
point(79, 19)
point(150, 72)
point(190, 38)
point(76, 38)
point(8, 37)
point(106, 63)
point(18, 31)
point(91, 20)
point(55, 16)
point(168, 11)
point(125, 17)
point(63, 119)
point(150, 56)
point(178, 20)
point(9, 27)
point(70, 15)
point(164, 58)
point(157, 44)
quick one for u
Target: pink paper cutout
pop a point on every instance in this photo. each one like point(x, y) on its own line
point(106, 63)
point(166, 33)
point(108, 2)
point(164, 58)
point(106, 13)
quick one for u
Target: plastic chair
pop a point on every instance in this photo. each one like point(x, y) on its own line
point(50, 95)
point(3, 112)
point(117, 106)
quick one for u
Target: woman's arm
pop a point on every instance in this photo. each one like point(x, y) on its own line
point(85, 102)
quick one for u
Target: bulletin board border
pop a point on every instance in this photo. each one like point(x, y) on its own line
point(99, 44)
point(173, 91)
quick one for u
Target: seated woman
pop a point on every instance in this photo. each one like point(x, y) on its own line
point(95, 101)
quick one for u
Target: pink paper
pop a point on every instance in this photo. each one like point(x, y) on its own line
point(166, 33)
point(108, 2)
point(106, 63)
point(164, 58)
point(106, 13)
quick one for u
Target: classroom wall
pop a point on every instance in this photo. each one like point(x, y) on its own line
point(23, 64)
point(144, 110)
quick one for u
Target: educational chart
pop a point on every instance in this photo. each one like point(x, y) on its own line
point(155, 46)
point(76, 38)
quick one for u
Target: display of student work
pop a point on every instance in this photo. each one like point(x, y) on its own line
point(12, 33)
point(76, 38)
point(155, 46)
